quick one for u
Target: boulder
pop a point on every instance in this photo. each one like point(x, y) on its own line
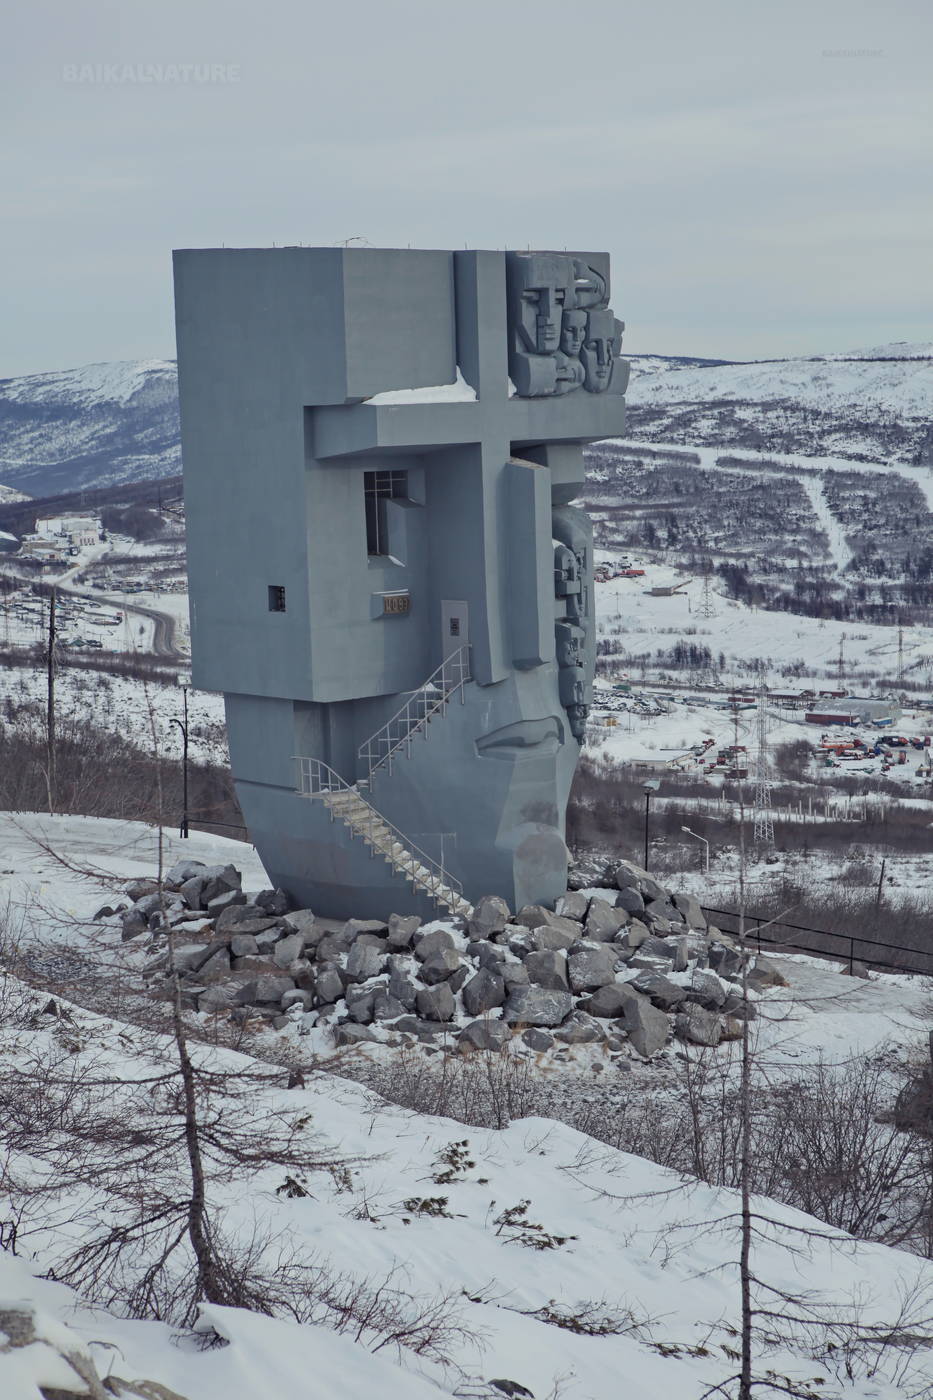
point(217, 962)
point(301, 921)
point(360, 1001)
point(661, 909)
point(630, 900)
point(218, 879)
point(297, 998)
point(333, 946)
point(647, 1027)
point(191, 891)
point(366, 958)
point(706, 990)
point(484, 1035)
point(592, 968)
point(736, 1006)
point(764, 974)
point(514, 974)
point(688, 906)
point(233, 899)
point(603, 921)
point(137, 890)
point(572, 905)
point(490, 915)
point(401, 931)
point(439, 966)
point(484, 991)
point(350, 1034)
point(661, 949)
point(386, 1007)
point(537, 1006)
point(438, 940)
point(609, 1002)
point(628, 875)
point(268, 988)
point(328, 984)
point(353, 928)
point(489, 955)
point(724, 960)
point(243, 945)
point(218, 998)
point(546, 939)
point(436, 1003)
point(181, 871)
point(697, 1025)
point(580, 1029)
point(660, 990)
point(287, 949)
point(401, 987)
point(132, 924)
point(547, 969)
point(520, 940)
point(533, 916)
point(635, 934)
point(272, 901)
point(537, 1039)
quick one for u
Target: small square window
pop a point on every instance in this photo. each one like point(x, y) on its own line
point(276, 597)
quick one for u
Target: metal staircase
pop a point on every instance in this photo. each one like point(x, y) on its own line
point(396, 735)
point(345, 801)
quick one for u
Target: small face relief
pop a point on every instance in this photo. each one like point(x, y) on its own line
point(573, 331)
point(541, 287)
point(599, 350)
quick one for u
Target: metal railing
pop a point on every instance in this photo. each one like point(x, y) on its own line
point(854, 947)
point(317, 780)
point(419, 709)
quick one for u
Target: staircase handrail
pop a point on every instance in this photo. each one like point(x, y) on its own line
point(449, 677)
point(317, 779)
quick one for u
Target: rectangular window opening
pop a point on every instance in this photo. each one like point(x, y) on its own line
point(276, 597)
point(379, 487)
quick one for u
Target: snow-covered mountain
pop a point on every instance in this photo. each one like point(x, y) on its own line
point(93, 426)
point(870, 405)
point(108, 423)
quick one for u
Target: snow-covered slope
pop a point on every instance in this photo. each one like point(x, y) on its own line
point(558, 1265)
point(875, 404)
point(89, 427)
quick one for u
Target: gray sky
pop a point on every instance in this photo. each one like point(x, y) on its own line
point(761, 173)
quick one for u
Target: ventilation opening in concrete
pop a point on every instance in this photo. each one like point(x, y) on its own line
point(276, 597)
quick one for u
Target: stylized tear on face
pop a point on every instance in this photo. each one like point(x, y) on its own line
point(540, 287)
point(600, 348)
point(573, 332)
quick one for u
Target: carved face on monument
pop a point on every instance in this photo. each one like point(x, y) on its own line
point(600, 348)
point(540, 287)
point(573, 332)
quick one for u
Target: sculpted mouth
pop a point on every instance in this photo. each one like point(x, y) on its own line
point(527, 738)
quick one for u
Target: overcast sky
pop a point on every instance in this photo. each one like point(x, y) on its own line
point(761, 173)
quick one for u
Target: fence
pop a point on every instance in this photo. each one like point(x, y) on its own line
point(852, 947)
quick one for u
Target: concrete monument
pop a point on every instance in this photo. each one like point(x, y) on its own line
point(388, 580)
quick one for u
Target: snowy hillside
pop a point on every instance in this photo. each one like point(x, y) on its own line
point(410, 1256)
point(92, 426)
point(869, 404)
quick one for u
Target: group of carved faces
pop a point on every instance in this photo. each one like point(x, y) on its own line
point(563, 336)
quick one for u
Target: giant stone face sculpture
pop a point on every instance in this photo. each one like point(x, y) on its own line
point(392, 588)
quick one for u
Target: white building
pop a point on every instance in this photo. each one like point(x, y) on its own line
point(80, 530)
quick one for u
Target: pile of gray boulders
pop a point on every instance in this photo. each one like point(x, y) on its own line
point(622, 967)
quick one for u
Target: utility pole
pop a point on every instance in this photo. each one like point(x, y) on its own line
point(183, 726)
point(841, 663)
point(50, 703)
point(763, 832)
point(706, 605)
point(900, 653)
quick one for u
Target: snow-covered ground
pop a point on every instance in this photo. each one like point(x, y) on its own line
point(646, 1258)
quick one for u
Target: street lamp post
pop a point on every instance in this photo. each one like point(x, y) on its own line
point(650, 786)
point(705, 855)
point(184, 682)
